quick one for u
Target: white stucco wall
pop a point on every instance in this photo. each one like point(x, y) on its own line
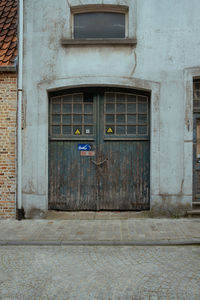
point(168, 44)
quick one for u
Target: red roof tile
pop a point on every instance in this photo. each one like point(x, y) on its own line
point(8, 32)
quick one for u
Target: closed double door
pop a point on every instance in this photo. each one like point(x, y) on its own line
point(99, 150)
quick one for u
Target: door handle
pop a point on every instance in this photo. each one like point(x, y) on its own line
point(99, 163)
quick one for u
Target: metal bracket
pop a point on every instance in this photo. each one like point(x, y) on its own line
point(99, 163)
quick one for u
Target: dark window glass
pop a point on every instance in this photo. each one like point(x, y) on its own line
point(66, 129)
point(67, 98)
point(120, 108)
point(56, 108)
point(131, 108)
point(77, 98)
point(88, 119)
point(120, 119)
point(142, 119)
point(67, 108)
point(131, 129)
point(66, 119)
point(56, 129)
point(131, 119)
point(77, 108)
point(77, 119)
point(56, 119)
point(88, 108)
point(110, 108)
point(131, 98)
point(99, 25)
point(142, 129)
point(110, 119)
point(110, 97)
point(120, 130)
point(120, 97)
point(142, 107)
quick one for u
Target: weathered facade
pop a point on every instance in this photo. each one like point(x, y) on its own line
point(8, 107)
point(157, 58)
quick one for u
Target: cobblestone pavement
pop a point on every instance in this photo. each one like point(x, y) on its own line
point(106, 273)
point(141, 230)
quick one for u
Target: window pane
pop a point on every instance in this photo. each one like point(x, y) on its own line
point(131, 119)
point(131, 108)
point(131, 129)
point(88, 119)
point(56, 119)
point(67, 98)
point(99, 25)
point(67, 108)
point(142, 107)
point(77, 119)
point(56, 129)
point(142, 129)
point(110, 119)
point(110, 97)
point(110, 108)
point(77, 108)
point(88, 108)
point(120, 130)
point(66, 129)
point(120, 108)
point(120, 97)
point(142, 119)
point(66, 119)
point(56, 108)
point(131, 98)
point(120, 119)
point(78, 98)
point(142, 99)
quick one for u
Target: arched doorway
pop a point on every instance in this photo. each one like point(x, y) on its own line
point(99, 149)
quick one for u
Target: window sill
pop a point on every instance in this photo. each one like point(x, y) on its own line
point(98, 42)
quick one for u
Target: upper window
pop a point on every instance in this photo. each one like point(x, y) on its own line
point(99, 25)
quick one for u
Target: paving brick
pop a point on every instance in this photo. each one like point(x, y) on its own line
point(100, 273)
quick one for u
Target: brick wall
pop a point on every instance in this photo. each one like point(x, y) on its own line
point(8, 111)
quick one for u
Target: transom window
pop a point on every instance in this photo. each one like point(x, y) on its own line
point(99, 25)
point(119, 114)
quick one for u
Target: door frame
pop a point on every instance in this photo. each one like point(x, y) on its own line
point(98, 93)
point(40, 196)
point(190, 74)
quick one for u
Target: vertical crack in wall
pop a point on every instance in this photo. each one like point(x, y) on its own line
point(135, 63)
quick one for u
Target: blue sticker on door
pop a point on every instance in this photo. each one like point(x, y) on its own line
point(84, 147)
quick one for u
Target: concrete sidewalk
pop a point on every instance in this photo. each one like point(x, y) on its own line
point(129, 231)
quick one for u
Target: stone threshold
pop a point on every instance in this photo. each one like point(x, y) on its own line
point(96, 215)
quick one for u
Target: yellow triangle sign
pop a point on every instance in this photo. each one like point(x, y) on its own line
point(77, 132)
point(109, 130)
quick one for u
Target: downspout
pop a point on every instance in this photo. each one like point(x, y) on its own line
point(20, 212)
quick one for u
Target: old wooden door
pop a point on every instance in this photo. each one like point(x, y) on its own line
point(115, 173)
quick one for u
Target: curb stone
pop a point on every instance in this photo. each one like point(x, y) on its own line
point(102, 243)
